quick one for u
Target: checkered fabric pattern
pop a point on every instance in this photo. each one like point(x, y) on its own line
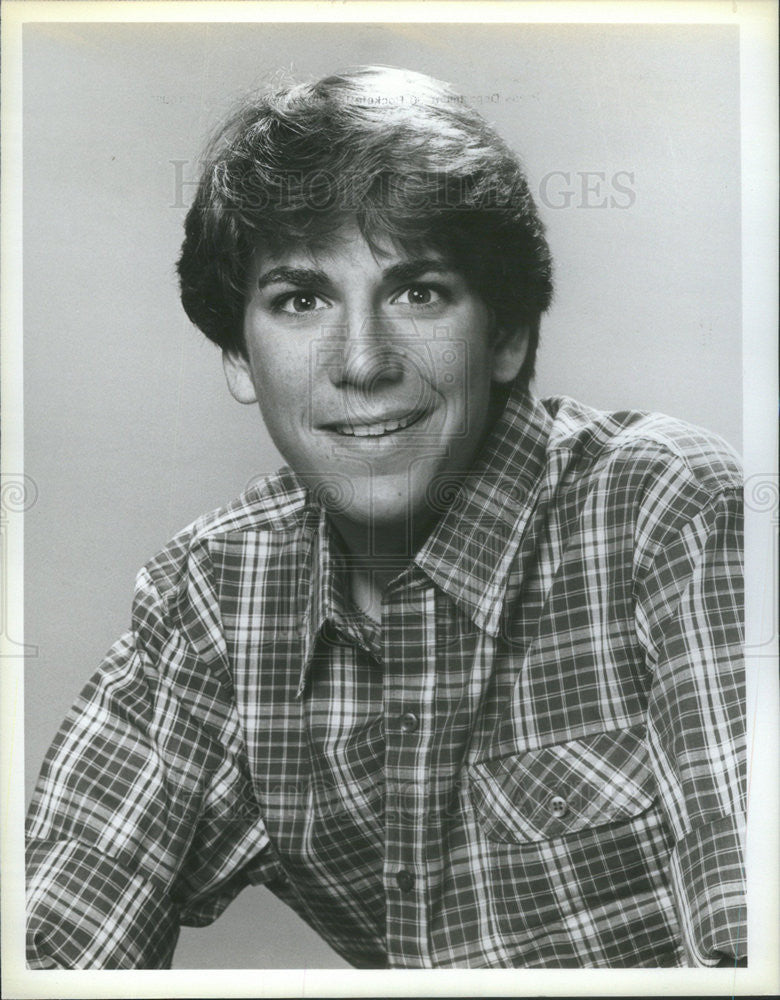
point(537, 759)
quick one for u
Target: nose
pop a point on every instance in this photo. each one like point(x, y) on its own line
point(366, 358)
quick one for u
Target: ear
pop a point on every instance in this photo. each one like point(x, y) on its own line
point(239, 377)
point(509, 351)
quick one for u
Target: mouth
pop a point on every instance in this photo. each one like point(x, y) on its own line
point(378, 428)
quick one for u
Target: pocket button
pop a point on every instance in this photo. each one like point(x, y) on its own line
point(558, 806)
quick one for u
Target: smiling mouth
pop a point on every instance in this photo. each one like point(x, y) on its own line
point(379, 429)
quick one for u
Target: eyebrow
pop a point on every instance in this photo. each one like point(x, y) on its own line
point(405, 270)
point(408, 270)
point(301, 276)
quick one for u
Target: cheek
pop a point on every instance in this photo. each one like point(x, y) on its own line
point(281, 381)
point(469, 380)
point(278, 371)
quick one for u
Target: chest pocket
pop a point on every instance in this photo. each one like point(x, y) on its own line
point(564, 788)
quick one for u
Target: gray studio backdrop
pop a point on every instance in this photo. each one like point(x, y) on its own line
point(631, 140)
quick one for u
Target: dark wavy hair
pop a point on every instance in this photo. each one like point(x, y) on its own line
point(395, 150)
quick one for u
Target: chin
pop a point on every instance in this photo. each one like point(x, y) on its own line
point(379, 513)
point(396, 518)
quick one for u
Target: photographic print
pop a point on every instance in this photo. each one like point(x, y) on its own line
point(385, 447)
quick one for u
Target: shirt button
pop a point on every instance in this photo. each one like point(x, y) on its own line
point(405, 880)
point(558, 806)
point(409, 722)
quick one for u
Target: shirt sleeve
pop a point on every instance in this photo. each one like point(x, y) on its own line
point(690, 621)
point(143, 817)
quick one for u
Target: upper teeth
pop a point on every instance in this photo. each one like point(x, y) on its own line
point(375, 430)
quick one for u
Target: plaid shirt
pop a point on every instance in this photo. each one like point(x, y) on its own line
point(536, 760)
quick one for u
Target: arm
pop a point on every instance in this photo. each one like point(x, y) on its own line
point(143, 817)
point(689, 616)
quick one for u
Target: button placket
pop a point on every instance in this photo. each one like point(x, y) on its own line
point(409, 687)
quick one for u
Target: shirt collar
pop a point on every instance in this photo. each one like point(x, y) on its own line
point(325, 592)
point(318, 588)
point(474, 546)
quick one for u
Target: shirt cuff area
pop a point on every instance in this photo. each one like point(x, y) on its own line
point(708, 877)
point(84, 911)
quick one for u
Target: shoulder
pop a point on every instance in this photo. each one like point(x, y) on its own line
point(641, 444)
point(645, 479)
point(271, 507)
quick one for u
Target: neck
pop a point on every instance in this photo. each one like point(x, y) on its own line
point(383, 548)
point(375, 555)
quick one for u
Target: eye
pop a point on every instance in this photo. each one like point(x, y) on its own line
point(298, 303)
point(418, 295)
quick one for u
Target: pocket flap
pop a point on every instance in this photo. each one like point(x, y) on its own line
point(563, 788)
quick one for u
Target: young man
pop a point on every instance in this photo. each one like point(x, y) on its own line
point(462, 685)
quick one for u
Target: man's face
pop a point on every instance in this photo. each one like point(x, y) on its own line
point(373, 375)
